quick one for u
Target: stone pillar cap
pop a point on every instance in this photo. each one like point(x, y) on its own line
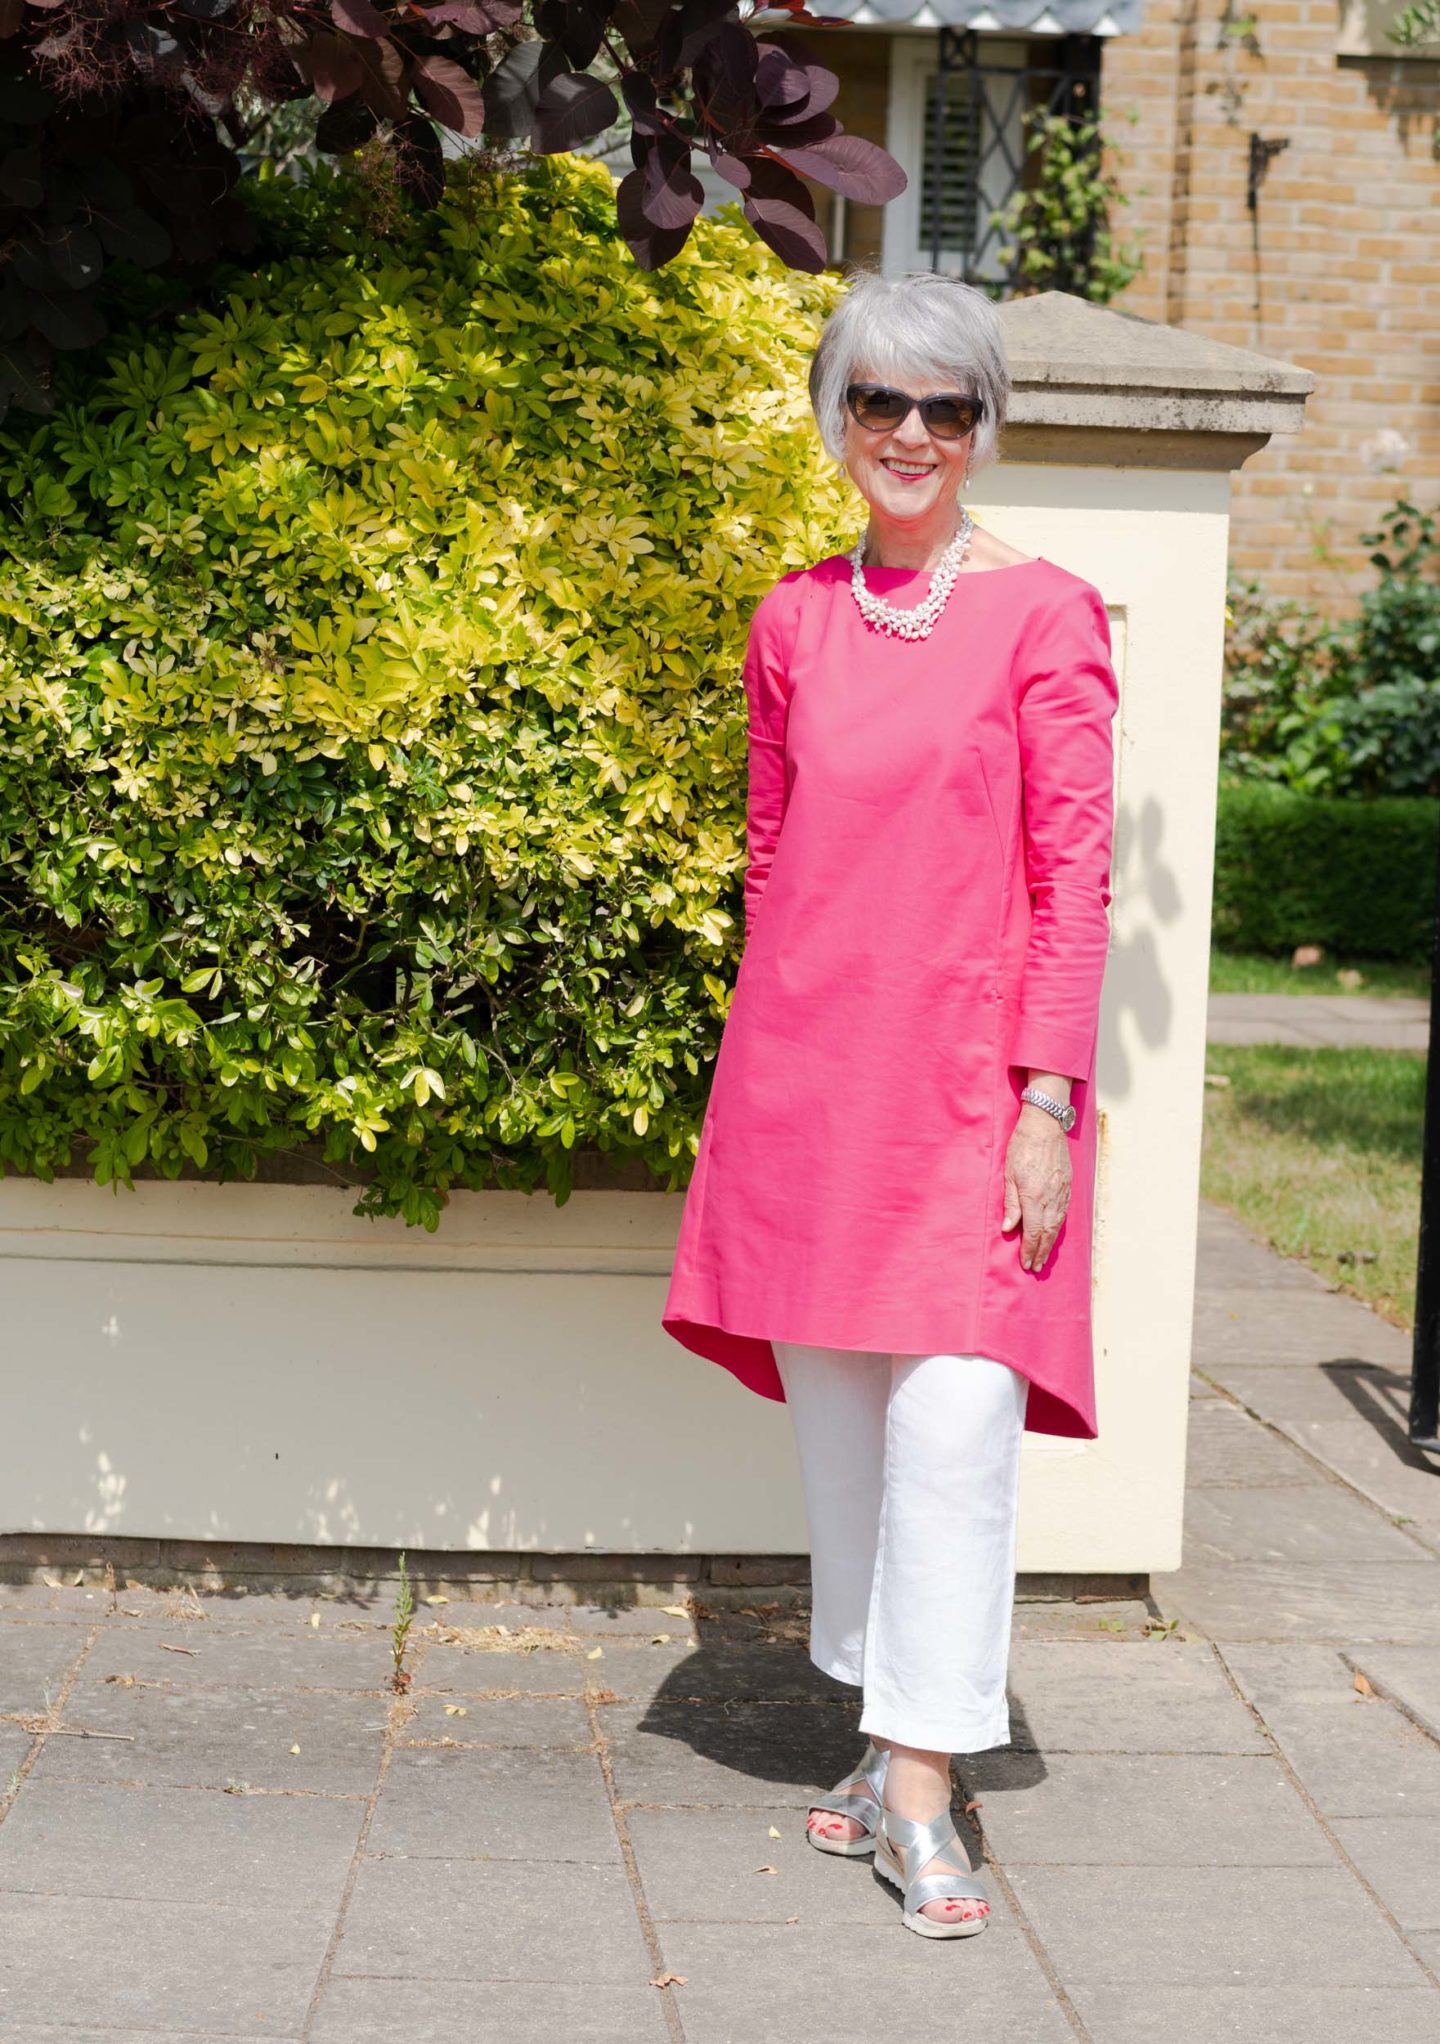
point(1074, 365)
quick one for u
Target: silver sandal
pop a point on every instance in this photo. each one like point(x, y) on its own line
point(848, 1799)
point(902, 1843)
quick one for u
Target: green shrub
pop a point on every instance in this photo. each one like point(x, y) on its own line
point(1348, 706)
point(373, 752)
point(1356, 876)
point(1280, 659)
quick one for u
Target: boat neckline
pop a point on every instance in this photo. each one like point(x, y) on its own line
point(1009, 568)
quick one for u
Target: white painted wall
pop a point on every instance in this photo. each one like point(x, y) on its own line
point(255, 1363)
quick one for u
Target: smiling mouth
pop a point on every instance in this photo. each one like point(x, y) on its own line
point(909, 468)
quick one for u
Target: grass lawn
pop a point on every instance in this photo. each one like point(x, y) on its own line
point(1241, 973)
point(1318, 1153)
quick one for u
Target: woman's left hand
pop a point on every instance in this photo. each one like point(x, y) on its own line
point(1037, 1183)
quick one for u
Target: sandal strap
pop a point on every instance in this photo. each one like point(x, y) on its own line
point(861, 1808)
point(915, 1843)
point(941, 1887)
point(861, 1790)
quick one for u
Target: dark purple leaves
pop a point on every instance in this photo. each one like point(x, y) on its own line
point(512, 91)
point(120, 122)
point(332, 64)
point(572, 108)
point(782, 213)
point(451, 95)
point(849, 164)
point(475, 17)
point(358, 17)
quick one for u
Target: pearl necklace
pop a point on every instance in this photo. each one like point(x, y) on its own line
point(919, 622)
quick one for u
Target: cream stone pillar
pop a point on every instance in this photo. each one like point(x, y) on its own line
point(1117, 461)
point(252, 1363)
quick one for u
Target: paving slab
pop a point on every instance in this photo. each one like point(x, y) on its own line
point(1381, 1464)
point(1323, 1523)
point(764, 1755)
point(709, 1865)
point(472, 1802)
point(46, 2033)
point(1233, 1260)
point(707, 1673)
point(36, 1661)
point(1387, 1021)
point(1410, 1676)
point(1142, 1809)
point(511, 1919)
point(379, 2011)
point(1286, 1325)
point(1126, 1696)
point(506, 1721)
point(1397, 1856)
point(167, 1845)
point(1355, 1755)
point(1226, 1448)
point(153, 1966)
point(1293, 2014)
point(626, 1621)
point(1088, 1618)
point(848, 1983)
point(190, 1737)
point(1347, 1602)
point(15, 1744)
point(264, 1658)
point(1336, 1391)
point(454, 1670)
point(1215, 1926)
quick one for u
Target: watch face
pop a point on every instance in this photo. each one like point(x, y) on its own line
point(1069, 1119)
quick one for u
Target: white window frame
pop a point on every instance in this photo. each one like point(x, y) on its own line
point(904, 243)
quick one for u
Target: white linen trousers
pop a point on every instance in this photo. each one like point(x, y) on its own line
point(911, 1473)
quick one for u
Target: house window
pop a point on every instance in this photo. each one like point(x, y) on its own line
point(957, 126)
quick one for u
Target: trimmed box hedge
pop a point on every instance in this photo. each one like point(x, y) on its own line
point(1355, 876)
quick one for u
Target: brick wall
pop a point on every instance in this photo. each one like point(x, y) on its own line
point(1338, 269)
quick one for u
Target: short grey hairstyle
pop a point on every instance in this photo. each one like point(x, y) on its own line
point(923, 326)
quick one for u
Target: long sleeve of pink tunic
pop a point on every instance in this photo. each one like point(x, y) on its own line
point(926, 905)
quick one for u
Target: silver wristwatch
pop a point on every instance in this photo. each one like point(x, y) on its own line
point(1065, 1114)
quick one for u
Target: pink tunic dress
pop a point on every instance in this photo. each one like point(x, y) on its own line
point(929, 836)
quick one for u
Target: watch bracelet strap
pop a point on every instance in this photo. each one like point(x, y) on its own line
point(1039, 1099)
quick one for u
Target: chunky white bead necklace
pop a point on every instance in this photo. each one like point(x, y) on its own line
point(919, 622)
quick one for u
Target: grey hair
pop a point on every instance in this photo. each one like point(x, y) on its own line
point(922, 326)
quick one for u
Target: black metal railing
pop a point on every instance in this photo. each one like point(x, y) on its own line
point(976, 138)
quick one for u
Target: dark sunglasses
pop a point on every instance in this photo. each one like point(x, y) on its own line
point(880, 409)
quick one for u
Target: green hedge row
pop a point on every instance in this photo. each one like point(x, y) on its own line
point(1355, 876)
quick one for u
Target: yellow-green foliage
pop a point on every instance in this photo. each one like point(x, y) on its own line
point(373, 753)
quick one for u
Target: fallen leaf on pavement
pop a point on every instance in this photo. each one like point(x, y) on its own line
point(659, 1639)
point(1362, 1685)
point(125, 1681)
point(674, 1610)
point(767, 1870)
point(773, 1832)
point(166, 1648)
point(595, 1654)
point(294, 1749)
point(669, 1980)
point(456, 1710)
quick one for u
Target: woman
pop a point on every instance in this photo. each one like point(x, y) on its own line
point(889, 1221)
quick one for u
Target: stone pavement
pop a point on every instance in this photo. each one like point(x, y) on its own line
point(1386, 1021)
point(1218, 1818)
